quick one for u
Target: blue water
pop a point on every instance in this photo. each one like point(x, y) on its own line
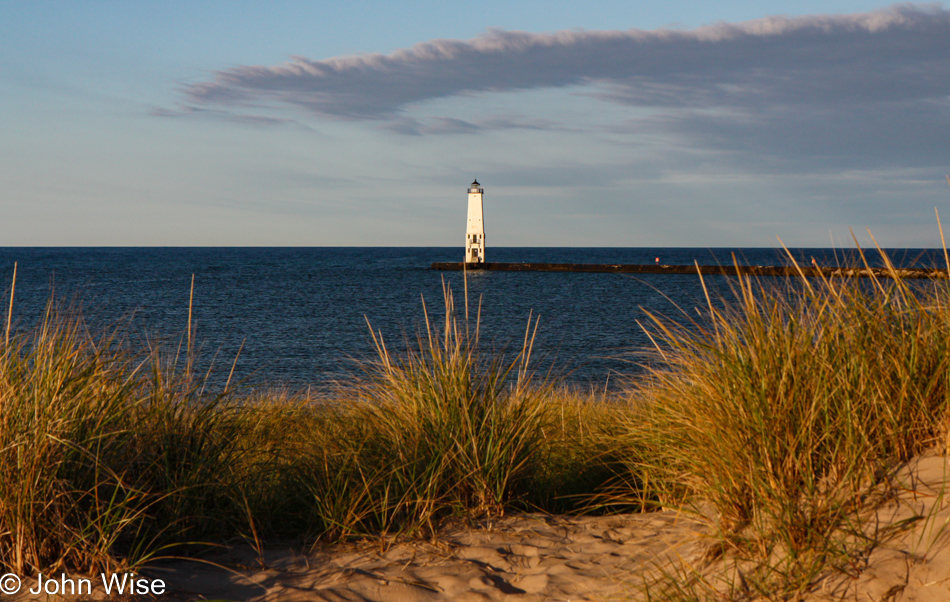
point(301, 313)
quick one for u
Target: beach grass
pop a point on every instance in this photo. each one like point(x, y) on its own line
point(443, 431)
point(103, 450)
point(780, 417)
point(113, 456)
point(783, 417)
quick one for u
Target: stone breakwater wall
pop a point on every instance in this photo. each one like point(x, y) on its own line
point(721, 270)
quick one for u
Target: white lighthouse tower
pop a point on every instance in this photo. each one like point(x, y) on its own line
point(475, 231)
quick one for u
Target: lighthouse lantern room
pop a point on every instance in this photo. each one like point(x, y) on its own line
point(475, 230)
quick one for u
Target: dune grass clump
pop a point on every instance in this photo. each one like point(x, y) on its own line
point(581, 462)
point(464, 427)
point(189, 454)
point(106, 455)
point(445, 429)
point(784, 413)
point(62, 424)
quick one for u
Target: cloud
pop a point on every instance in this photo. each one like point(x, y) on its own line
point(244, 118)
point(818, 90)
point(889, 55)
point(450, 125)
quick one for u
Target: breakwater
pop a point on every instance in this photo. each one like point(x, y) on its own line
point(717, 270)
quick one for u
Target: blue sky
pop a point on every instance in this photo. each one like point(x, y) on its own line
point(361, 123)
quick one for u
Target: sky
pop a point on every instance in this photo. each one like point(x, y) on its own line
point(604, 123)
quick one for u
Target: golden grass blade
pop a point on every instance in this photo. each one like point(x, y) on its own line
point(465, 284)
point(10, 310)
point(652, 340)
point(447, 329)
point(798, 268)
point(528, 345)
point(379, 345)
point(190, 349)
point(227, 385)
point(867, 265)
point(943, 241)
point(425, 317)
point(478, 321)
point(712, 311)
point(887, 260)
point(745, 286)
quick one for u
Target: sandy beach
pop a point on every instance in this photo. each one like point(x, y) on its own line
point(542, 557)
point(530, 557)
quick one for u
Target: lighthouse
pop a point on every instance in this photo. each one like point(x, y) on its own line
point(475, 230)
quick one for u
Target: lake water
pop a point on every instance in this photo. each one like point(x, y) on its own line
point(301, 313)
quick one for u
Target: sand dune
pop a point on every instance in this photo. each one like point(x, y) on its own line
point(538, 557)
point(530, 557)
point(541, 557)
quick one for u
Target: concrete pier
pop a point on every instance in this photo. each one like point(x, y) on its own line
point(718, 270)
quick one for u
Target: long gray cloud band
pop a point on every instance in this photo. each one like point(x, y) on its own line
point(797, 82)
point(851, 56)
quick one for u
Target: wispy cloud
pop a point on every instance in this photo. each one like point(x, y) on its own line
point(451, 125)
point(224, 115)
point(807, 88)
point(890, 55)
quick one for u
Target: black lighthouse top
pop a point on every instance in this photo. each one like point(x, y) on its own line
point(475, 187)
